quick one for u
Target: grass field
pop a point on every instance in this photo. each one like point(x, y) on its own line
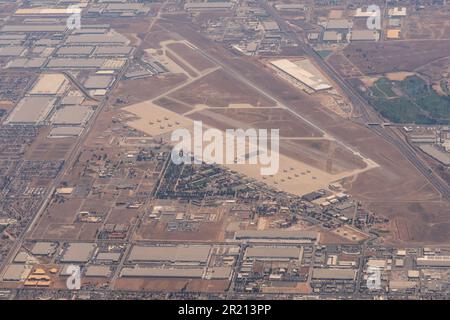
point(411, 100)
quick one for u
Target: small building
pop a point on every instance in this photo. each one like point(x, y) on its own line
point(393, 34)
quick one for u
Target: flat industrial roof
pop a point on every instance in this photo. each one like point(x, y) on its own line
point(34, 28)
point(17, 272)
point(332, 36)
point(62, 132)
point(333, 274)
point(162, 273)
point(208, 5)
point(75, 63)
point(364, 35)
point(111, 38)
point(26, 63)
point(43, 248)
point(275, 234)
point(11, 51)
point(303, 71)
point(108, 256)
point(72, 115)
point(98, 82)
point(75, 50)
point(188, 253)
point(48, 84)
point(112, 51)
point(98, 271)
point(31, 110)
point(339, 24)
point(78, 252)
point(273, 252)
point(434, 261)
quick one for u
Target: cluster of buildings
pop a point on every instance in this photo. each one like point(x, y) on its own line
point(433, 140)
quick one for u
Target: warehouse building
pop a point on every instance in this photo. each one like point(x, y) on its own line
point(98, 271)
point(113, 51)
point(302, 71)
point(75, 51)
point(108, 257)
point(332, 36)
point(26, 63)
point(17, 272)
point(78, 252)
point(191, 254)
point(65, 132)
point(434, 261)
point(11, 51)
point(364, 35)
point(276, 235)
point(273, 253)
point(31, 111)
point(339, 24)
point(49, 84)
point(334, 274)
point(44, 248)
point(111, 38)
point(98, 82)
point(397, 12)
point(290, 7)
point(208, 6)
point(142, 272)
point(33, 28)
point(72, 116)
point(79, 63)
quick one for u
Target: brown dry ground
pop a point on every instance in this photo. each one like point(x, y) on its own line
point(190, 56)
point(180, 63)
point(138, 90)
point(382, 57)
point(44, 148)
point(430, 23)
point(219, 89)
point(171, 285)
point(275, 118)
point(388, 190)
point(322, 154)
point(174, 106)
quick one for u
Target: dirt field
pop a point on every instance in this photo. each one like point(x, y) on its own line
point(377, 58)
point(428, 24)
point(133, 91)
point(172, 105)
point(192, 57)
point(218, 89)
point(171, 285)
point(273, 118)
point(324, 155)
point(44, 148)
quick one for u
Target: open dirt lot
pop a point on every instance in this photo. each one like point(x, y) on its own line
point(429, 23)
point(138, 90)
point(171, 285)
point(271, 118)
point(218, 89)
point(377, 58)
point(191, 56)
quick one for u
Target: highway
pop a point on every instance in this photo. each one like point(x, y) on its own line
point(368, 115)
